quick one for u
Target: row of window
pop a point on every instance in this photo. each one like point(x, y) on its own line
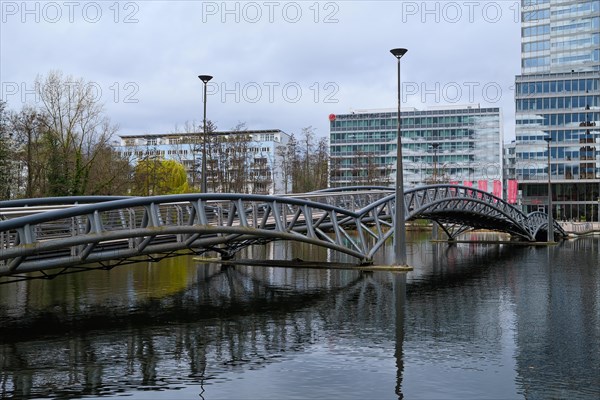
point(581, 24)
point(560, 153)
point(566, 192)
point(558, 103)
point(463, 166)
point(562, 119)
point(579, 7)
point(362, 149)
point(566, 135)
point(535, 62)
point(391, 122)
point(535, 30)
point(587, 171)
point(427, 148)
point(588, 56)
point(571, 43)
point(536, 15)
point(536, 46)
point(533, 3)
point(142, 154)
point(259, 150)
point(563, 85)
point(386, 136)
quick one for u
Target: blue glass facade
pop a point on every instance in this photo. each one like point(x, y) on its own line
point(557, 96)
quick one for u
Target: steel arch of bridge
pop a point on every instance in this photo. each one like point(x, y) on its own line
point(355, 221)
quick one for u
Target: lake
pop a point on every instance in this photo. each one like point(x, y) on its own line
point(472, 321)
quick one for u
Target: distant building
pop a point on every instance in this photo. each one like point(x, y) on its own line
point(558, 97)
point(255, 150)
point(461, 144)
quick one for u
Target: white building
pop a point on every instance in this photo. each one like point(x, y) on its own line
point(251, 155)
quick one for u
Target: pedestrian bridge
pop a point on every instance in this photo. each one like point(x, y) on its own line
point(40, 235)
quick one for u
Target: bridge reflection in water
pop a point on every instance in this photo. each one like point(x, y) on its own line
point(481, 311)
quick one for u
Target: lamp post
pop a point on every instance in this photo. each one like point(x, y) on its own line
point(550, 219)
point(434, 225)
point(205, 79)
point(399, 223)
point(435, 149)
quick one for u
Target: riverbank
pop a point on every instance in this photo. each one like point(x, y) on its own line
point(581, 228)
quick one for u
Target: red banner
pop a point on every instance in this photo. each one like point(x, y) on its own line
point(497, 189)
point(468, 183)
point(512, 191)
point(482, 185)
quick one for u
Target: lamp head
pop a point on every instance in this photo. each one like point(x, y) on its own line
point(205, 78)
point(398, 53)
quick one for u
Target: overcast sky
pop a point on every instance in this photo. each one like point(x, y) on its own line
point(276, 64)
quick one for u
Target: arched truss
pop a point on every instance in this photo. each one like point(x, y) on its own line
point(461, 208)
point(355, 221)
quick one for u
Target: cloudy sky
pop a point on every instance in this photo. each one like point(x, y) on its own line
point(276, 64)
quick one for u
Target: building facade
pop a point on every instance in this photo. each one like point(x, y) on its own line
point(439, 145)
point(251, 158)
point(557, 100)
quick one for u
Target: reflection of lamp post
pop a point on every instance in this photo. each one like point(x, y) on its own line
point(550, 221)
point(205, 79)
point(399, 224)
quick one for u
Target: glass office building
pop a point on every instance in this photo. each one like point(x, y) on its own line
point(558, 98)
point(439, 145)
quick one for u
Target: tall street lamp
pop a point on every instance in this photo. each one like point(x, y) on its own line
point(399, 224)
point(434, 225)
point(550, 220)
point(435, 149)
point(205, 79)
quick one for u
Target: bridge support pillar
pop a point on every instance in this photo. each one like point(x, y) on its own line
point(434, 230)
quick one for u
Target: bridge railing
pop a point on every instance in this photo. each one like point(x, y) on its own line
point(122, 229)
point(354, 221)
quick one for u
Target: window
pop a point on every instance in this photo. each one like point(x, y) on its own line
point(536, 15)
point(536, 62)
point(536, 30)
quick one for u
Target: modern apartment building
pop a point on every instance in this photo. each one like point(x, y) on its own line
point(558, 99)
point(251, 155)
point(454, 144)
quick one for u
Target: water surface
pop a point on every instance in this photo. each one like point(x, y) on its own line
point(473, 321)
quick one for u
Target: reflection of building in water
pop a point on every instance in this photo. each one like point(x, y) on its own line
point(473, 310)
point(227, 319)
point(233, 319)
point(557, 323)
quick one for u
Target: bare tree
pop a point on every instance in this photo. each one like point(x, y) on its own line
point(321, 164)
point(29, 129)
point(77, 131)
point(111, 174)
point(229, 161)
